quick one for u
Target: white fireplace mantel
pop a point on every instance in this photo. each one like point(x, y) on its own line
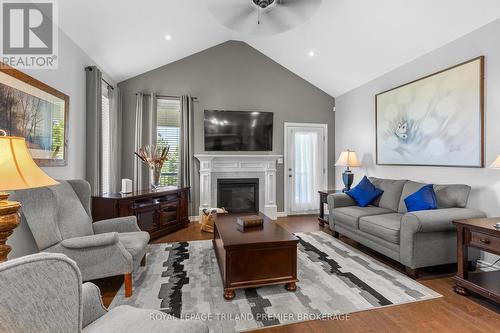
point(235, 164)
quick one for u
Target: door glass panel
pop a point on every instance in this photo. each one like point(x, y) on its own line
point(305, 171)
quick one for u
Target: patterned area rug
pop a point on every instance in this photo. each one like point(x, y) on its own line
point(183, 280)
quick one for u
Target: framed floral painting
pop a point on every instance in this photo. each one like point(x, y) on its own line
point(435, 121)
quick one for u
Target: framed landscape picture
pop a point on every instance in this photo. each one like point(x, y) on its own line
point(435, 121)
point(37, 112)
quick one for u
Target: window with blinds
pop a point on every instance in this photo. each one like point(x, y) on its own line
point(168, 123)
point(105, 142)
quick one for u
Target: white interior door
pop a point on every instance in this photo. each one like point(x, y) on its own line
point(305, 166)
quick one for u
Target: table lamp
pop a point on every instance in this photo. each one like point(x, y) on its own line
point(17, 171)
point(496, 165)
point(348, 159)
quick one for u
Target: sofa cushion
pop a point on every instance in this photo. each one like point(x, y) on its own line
point(39, 212)
point(349, 216)
point(448, 196)
point(392, 192)
point(386, 226)
point(364, 193)
point(452, 196)
point(73, 220)
point(423, 199)
point(409, 188)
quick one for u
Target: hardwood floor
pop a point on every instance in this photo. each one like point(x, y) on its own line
point(450, 313)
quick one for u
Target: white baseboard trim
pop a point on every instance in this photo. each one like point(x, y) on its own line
point(281, 214)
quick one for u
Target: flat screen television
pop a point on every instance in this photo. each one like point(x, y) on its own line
point(238, 130)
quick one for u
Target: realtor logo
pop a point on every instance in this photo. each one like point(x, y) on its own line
point(29, 34)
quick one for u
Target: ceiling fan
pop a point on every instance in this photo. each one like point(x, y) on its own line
point(262, 17)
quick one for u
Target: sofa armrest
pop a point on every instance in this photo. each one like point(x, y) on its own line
point(90, 241)
point(437, 219)
point(92, 306)
point(337, 200)
point(428, 237)
point(98, 261)
point(119, 224)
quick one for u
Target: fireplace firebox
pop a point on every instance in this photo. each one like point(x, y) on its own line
point(238, 195)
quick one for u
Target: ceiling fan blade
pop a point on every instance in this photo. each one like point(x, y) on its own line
point(300, 8)
point(243, 15)
point(277, 22)
point(241, 18)
point(310, 3)
point(232, 14)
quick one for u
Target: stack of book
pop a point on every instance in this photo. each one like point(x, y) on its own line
point(249, 221)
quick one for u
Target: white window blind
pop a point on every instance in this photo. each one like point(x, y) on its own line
point(168, 132)
point(105, 142)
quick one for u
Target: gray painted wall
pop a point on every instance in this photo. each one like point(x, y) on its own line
point(232, 76)
point(69, 78)
point(355, 119)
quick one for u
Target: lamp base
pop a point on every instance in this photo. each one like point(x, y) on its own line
point(347, 178)
point(9, 220)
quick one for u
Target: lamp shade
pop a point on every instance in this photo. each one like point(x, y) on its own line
point(496, 163)
point(348, 159)
point(17, 169)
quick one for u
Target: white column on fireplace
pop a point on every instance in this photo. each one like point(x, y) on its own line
point(239, 166)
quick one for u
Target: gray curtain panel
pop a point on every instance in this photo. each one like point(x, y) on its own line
point(93, 128)
point(145, 134)
point(152, 115)
point(138, 142)
point(186, 143)
point(115, 115)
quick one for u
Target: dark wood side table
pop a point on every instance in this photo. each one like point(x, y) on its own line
point(481, 234)
point(323, 196)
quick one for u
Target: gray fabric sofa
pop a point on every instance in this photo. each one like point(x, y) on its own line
point(415, 239)
point(44, 293)
point(60, 220)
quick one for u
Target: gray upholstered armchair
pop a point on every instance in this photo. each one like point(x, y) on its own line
point(60, 220)
point(44, 293)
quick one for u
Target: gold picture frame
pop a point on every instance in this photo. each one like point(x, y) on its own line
point(31, 109)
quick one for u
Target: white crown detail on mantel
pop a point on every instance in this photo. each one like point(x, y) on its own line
point(265, 164)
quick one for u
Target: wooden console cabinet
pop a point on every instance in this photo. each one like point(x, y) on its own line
point(158, 212)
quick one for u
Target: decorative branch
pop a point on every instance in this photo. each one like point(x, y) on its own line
point(153, 156)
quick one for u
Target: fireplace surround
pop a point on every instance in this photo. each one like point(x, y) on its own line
point(218, 166)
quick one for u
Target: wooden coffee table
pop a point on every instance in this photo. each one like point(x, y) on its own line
point(256, 257)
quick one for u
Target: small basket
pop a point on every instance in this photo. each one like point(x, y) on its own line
point(208, 218)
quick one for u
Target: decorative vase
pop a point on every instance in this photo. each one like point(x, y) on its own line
point(154, 177)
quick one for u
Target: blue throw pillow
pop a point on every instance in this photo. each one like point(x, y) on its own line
point(423, 199)
point(364, 193)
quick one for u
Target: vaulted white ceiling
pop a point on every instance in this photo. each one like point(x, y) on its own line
point(354, 41)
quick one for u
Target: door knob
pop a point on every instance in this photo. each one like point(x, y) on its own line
point(290, 176)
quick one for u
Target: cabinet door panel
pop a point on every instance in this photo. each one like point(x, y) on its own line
point(147, 220)
point(169, 213)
